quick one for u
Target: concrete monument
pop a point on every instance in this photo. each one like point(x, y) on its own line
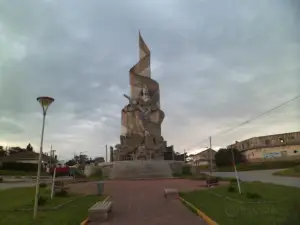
point(142, 117)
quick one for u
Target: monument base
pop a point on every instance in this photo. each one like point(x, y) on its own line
point(141, 169)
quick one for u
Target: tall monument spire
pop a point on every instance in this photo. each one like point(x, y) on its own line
point(142, 68)
point(142, 117)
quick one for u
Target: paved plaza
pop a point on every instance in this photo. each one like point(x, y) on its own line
point(137, 202)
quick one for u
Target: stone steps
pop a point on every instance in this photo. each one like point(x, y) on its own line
point(141, 170)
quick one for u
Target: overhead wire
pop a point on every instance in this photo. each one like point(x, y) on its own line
point(251, 119)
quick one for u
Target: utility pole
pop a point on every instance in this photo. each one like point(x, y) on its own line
point(50, 166)
point(105, 153)
point(210, 149)
point(51, 155)
point(236, 172)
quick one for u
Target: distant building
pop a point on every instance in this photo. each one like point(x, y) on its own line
point(203, 158)
point(277, 147)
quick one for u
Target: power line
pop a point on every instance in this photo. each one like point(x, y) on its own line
point(253, 118)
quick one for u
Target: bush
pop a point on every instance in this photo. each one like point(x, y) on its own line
point(19, 166)
point(176, 174)
point(233, 181)
point(186, 170)
point(42, 200)
point(253, 195)
point(61, 193)
point(231, 189)
point(43, 185)
point(1, 179)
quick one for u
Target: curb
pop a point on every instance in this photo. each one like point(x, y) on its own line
point(202, 215)
point(85, 222)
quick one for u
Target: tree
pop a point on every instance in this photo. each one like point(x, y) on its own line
point(224, 157)
point(81, 158)
point(71, 162)
point(29, 148)
point(14, 150)
point(2, 151)
point(99, 160)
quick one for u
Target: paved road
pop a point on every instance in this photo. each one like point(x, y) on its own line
point(265, 176)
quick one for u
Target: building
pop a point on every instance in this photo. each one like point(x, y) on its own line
point(203, 158)
point(276, 147)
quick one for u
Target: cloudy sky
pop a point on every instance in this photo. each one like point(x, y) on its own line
point(218, 64)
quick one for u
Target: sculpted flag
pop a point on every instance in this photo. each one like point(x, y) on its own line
point(143, 47)
point(124, 118)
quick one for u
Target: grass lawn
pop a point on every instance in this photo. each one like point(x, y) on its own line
point(267, 165)
point(291, 172)
point(247, 211)
point(201, 176)
point(69, 214)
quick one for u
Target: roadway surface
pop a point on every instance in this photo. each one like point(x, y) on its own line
point(16, 183)
point(265, 176)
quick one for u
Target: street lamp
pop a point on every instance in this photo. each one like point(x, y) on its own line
point(45, 102)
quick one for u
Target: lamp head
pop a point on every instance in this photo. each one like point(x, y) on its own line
point(45, 102)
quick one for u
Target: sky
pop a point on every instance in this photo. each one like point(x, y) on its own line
point(218, 64)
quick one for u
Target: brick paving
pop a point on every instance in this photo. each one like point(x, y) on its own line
point(141, 202)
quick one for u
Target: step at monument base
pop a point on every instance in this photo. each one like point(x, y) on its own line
point(136, 169)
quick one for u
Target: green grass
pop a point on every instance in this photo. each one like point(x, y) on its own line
point(20, 173)
point(230, 212)
point(201, 176)
point(291, 172)
point(17, 198)
point(260, 166)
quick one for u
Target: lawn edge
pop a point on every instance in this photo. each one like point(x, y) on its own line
point(85, 222)
point(278, 174)
point(201, 214)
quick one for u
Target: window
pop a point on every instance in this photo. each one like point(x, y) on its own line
point(267, 142)
point(281, 140)
point(291, 137)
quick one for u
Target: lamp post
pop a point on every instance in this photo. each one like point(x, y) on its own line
point(45, 102)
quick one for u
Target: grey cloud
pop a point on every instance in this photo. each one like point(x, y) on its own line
point(217, 64)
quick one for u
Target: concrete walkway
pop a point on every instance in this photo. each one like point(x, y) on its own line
point(141, 202)
point(265, 176)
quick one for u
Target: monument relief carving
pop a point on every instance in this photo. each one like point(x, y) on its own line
point(142, 117)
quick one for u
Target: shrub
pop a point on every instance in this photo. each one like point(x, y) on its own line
point(233, 181)
point(253, 195)
point(42, 200)
point(43, 185)
point(231, 189)
point(176, 174)
point(186, 170)
point(61, 193)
